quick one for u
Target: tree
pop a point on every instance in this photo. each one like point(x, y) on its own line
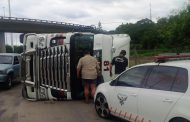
point(142, 32)
point(9, 49)
point(17, 49)
point(171, 33)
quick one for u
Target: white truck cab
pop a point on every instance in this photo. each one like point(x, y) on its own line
point(51, 61)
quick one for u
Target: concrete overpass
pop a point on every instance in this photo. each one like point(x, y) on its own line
point(25, 25)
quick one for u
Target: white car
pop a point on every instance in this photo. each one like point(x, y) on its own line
point(152, 92)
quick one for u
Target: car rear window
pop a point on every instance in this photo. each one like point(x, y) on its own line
point(168, 79)
point(161, 78)
point(181, 82)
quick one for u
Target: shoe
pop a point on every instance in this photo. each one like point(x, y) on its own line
point(87, 101)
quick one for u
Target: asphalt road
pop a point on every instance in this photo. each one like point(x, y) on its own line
point(13, 108)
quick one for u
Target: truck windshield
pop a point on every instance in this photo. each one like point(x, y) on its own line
point(6, 59)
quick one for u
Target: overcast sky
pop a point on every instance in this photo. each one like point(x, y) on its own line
point(110, 13)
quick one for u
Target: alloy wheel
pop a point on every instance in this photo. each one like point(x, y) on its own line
point(101, 106)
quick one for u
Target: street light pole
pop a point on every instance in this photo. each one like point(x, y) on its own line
point(3, 11)
point(150, 10)
point(5, 33)
point(9, 3)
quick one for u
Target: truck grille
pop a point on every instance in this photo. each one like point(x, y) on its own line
point(53, 67)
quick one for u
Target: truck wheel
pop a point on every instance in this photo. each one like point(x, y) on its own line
point(24, 92)
point(9, 82)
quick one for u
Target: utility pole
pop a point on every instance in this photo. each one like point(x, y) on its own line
point(4, 32)
point(9, 4)
point(3, 11)
point(150, 11)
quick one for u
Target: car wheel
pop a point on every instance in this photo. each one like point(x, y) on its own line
point(101, 106)
point(9, 82)
point(179, 120)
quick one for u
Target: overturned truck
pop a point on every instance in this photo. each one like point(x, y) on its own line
point(51, 59)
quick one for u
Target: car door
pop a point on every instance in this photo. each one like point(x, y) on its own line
point(157, 98)
point(125, 95)
point(16, 68)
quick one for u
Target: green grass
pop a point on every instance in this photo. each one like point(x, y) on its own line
point(149, 52)
point(145, 56)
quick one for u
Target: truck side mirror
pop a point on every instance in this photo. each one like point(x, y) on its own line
point(22, 38)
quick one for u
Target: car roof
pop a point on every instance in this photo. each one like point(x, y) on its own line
point(177, 63)
point(10, 54)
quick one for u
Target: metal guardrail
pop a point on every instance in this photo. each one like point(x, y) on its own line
point(47, 21)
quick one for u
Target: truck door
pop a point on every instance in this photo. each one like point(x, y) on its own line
point(78, 44)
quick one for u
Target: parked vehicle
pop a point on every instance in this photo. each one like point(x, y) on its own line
point(152, 92)
point(51, 61)
point(9, 69)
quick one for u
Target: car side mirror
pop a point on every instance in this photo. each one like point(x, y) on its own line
point(113, 82)
point(16, 62)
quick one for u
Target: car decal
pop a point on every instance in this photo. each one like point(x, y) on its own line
point(130, 117)
point(127, 116)
point(136, 118)
point(122, 98)
point(115, 110)
point(120, 113)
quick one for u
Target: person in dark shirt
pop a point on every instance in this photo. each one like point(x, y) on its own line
point(120, 62)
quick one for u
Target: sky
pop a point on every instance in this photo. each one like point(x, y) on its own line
point(111, 13)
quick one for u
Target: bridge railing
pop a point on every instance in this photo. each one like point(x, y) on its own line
point(68, 26)
point(46, 21)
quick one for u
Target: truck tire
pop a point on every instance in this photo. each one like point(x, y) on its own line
point(24, 92)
